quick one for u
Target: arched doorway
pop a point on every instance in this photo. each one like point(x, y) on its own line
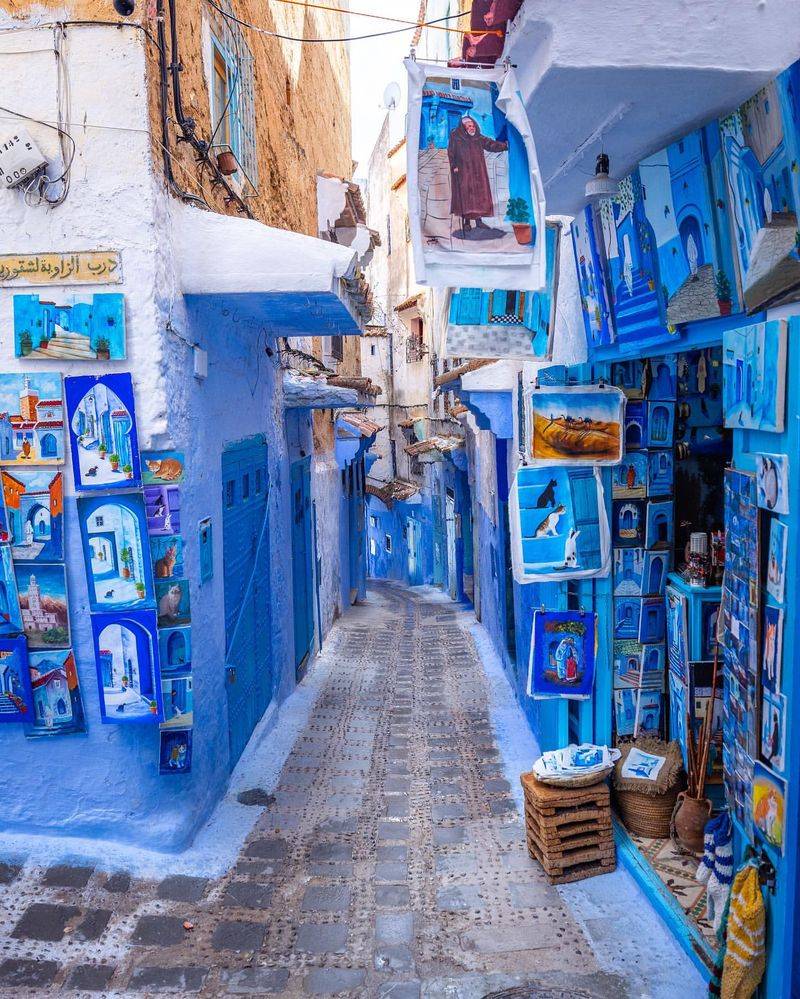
point(48, 446)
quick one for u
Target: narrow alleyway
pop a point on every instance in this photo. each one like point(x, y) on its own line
point(391, 862)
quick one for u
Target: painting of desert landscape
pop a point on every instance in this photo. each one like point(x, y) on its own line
point(576, 426)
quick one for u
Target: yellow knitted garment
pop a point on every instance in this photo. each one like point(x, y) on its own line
point(745, 959)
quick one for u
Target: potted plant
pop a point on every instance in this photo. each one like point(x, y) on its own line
point(128, 470)
point(651, 284)
point(140, 590)
point(126, 557)
point(102, 451)
point(153, 708)
point(103, 349)
point(518, 215)
point(43, 343)
point(114, 460)
point(723, 289)
point(25, 343)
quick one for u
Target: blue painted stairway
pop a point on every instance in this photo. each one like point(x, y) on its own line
point(637, 316)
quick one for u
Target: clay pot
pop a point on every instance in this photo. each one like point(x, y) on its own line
point(690, 818)
point(226, 162)
point(725, 306)
point(523, 232)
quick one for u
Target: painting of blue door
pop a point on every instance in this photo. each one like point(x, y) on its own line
point(245, 540)
point(302, 563)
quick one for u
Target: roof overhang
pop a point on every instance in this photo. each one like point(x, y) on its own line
point(239, 270)
point(304, 392)
point(355, 433)
point(631, 77)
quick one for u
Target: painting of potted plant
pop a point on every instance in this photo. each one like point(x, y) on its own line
point(723, 289)
point(518, 214)
point(140, 590)
point(102, 451)
point(25, 343)
point(103, 349)
point(44, 342)
point(114, 460)
point(128, 470)
point(126, 557)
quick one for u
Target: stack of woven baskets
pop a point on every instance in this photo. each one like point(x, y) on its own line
point(646, 806)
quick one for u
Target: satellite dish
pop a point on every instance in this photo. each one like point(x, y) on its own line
point(391, 96)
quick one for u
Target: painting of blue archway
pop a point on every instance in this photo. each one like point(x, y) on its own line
point(16, 695)
point(116, 552)
point(34, 504)
point(102, 426)
point(175, 650)
point(128, 672)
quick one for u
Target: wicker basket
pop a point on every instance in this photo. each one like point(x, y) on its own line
point(646, 807)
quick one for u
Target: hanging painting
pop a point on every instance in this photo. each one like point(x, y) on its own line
point(172, 600)
point(773, 649)
point(628, 571)
point(16, 695)
point(772, 482)
point(627, 663)
point(57, 704)
point(44, 605)
point(10, 616)
point(754, 376)
point(776, 560)
point(632, 376)
point(660, 532)
point(491, 322)
point(175, 751)
point(178, 702)
point(660, 424)
point(769, 805)
point(476, 203)
point(163, 506)
point(102, 426)
point(577, 425)
point(652, 621)
point(128, 672)
point(637, 711)
point(761, 143)
point(628, 522)
point(663, 378)
point(677, 633)
point(657, 566)
point(160, 467)
point(630, 477)
point(167, 555)
point(34, 503)
point(773, 729)
point(635, 425)
point(562, 656)
point(175, 650)
point(115, 552)
point(558, 524)
point(76, 328)
point(31, 419)
point(660, 473)
point(627, 617)
point(594, 303)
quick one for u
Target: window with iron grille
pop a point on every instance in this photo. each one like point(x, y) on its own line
point(415, 345)
point(337, 348)
point(233, 112)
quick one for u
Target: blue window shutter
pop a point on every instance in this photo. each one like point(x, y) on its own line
point(468, 306)
point(584, 500)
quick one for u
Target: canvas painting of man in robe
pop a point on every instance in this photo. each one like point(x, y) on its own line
point(470, 191)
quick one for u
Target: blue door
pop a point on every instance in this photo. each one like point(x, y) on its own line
point(245, 540)
point(302, 564)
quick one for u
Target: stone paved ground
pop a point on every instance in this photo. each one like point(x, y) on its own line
point(391, 863)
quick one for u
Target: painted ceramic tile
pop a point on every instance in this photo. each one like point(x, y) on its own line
point(178, 702)
point(44, 605)
point(627, 663)
point(769, 805)
point(163, 507)
point(631, 377)
point(31, 419)
point(16, 694)
point(628, 523)
point(628, 571)
point(630, 477)
point(772, 482)
point(663, 378)
point(677, 633)
point(116, 552)
point(175, 650)
point(161, 467)
point(167, 554)
point(594, 302)
point(660, 473)
point(660, 424)
point(175, 752)
point(562, 657)
point(773, 729)
point(57, 703)
point(657, 565)
point(754, 376)
point(172, 600)
point(558, 524)
point(635, 425)
point(660, 531)
point(776, 560)
point(652, 621)
point(77, 327)
point(627, 617)
point(761, 146)
point(128, 670)
point(34, 504)
point(10, 614)
point(575, 426)
point(773, 648)
point(102, 427)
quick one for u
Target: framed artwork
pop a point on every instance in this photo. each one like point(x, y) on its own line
point(776, 559)
point(664, 378)
point(128, 670)
point(628, 523)
point(772, 482)
point(172, 601)
point(773, 729)
point(116, 552)
point(43, 604)
point(637, 712)
point(654, 662)
point(34, 505)
point(627, 617)
point(678, 709)
point(660, 473)
point(31, 419)
point(629, 567)
point(660, 531)
point(631, 476)
point(754, 376)
point(594, 302)
point(175, 752)
point(635, 425)
point(631, 376)
point(178, 702)
point(10, 614)
point(657, 566)
point(769, 806)
point(102, 428)
point(175, 650)
point(558, 524)
point(167, 554)
point(16, 693)
point(163, 507)
point(77, 327)
point(575, 426)
point(652, 621)
point(773, 649)
point(162, 467)
point(660, 424)
point(562, 656)
point(627, 663)
point(57, 703)
point(677, 630)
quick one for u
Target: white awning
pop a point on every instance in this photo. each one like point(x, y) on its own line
point(291, 284)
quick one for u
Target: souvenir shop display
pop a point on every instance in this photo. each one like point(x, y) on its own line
point(584, 764)
point(576, 425)
point(562, 656)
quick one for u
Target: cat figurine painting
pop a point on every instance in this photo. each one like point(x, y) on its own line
point(549, 526)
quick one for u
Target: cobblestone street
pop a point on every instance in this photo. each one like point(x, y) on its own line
point(391, 861)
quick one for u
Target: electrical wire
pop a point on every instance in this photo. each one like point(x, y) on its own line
point(363, 13)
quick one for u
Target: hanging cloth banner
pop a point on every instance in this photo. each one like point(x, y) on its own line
point(475, 196)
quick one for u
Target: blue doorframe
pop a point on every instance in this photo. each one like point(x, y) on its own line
point(246, 561)
point(302, 563)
